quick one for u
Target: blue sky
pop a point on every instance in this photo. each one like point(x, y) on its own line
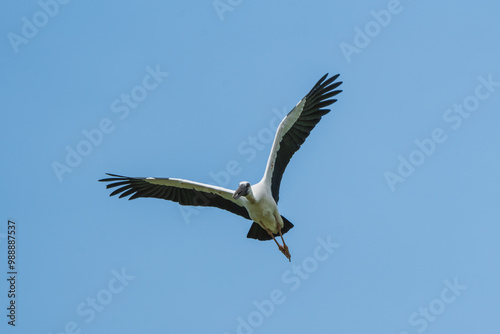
point(394, 196)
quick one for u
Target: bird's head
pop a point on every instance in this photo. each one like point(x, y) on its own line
point(243, 190)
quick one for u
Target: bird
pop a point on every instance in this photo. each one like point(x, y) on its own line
point(256, 202)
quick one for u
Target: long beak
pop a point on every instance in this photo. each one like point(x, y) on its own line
point(237, 194)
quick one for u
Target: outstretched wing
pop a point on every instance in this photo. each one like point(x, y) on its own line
point(296, 127)
point(181, 191)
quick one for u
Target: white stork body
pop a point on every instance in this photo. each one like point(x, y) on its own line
point(258, 202)
point(262, 208)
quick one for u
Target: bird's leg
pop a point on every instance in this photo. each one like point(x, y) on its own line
point(272, 236)
point(284, 248)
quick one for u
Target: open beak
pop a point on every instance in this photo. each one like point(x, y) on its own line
point(237, 194)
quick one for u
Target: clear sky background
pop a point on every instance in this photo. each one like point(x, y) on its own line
point(401, 179)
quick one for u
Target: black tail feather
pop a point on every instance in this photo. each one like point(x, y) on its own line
point(257, 232)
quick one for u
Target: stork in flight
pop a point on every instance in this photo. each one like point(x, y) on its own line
point(256, 202)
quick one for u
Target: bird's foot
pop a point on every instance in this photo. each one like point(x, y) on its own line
point(285, 251)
